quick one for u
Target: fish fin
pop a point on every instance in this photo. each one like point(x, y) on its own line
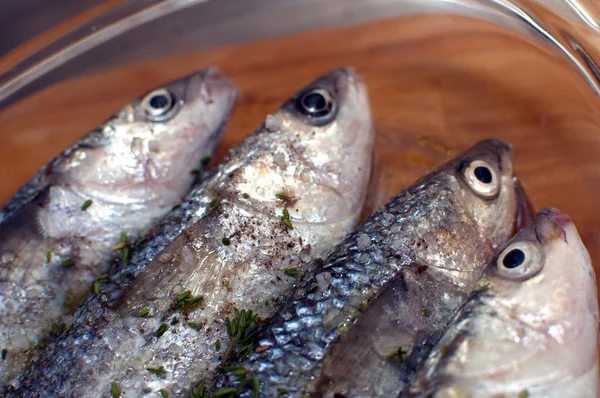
point(20, 231)
point(164, 278)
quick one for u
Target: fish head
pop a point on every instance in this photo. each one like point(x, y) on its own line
point(328, 133)
point(543, 285)
point(490, 197)
point(151, 145)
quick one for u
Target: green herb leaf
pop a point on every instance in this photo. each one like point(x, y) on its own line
point(426, 312)
point(280, 195)
point(196, 173)
point(164, 393)
point(285, 219)
point(67, 262)
point(4, 352)
point(200, 392)
point(182, 296)
point(176, 206)
point(218, 345)
point(443, 351)
point(194, 325)
point(120, 245)
point(225, 392)
point(226, 241)
point(291, 271)
point(102, 278)
point(236, 370)
point(146, 390)
point(189, 303)
point(281, 391)
point(55, 329)
point(114, 390)
point(205, 160)
point(159, 371)
point(161, 330)
point(143, 312)
point(49, 257)
point(255, 387)
point(398, 354)
point(96, 287)
point(86, 204)
point(68, 329)
point(126, 255)
point(524, 394)
point(213, 203)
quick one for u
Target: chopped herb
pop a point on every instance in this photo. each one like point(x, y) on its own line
point(200, 392)
point(282, 391)
point(159, 371)
point(444, 351)
point(214, 203)
point(196, 173)
point(49, 257)
point(164, 393)
point(426, 312)
point(281, 196)
point(218, 345)
point(291, 271)
point(484, 286)
point(120, 245)
point(182, 296)
point(55, 329)
point(126, 255)
point(67, 262)
point(102, 278)
point(176, 206)
point(123, 277)
point(114, 390)
point(524, 394)
point(226, 241)
point(225, 392)
point(255, 387)
point(143, 312)
point(68, 329)
point(193, 301)
point(398, 354)
point(86, 204)
point(194, 325)
point(240, 331)
point(4, 352)
point(161, 330)
point(205, 160)
point(96, 287)
point(146, 390)
point(236, 370)
point(285, 219)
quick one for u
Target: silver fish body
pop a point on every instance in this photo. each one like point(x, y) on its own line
point(57, 235)
point(406, 269)
point(284, 197)
point(531, 331)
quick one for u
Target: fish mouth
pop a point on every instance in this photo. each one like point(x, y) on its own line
point(561, 221)
point(525, 209)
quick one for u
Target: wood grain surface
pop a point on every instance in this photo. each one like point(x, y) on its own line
point(437, 84)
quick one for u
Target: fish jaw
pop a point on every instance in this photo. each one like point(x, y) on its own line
point(538, 335)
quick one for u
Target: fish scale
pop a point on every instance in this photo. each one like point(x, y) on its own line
point(395, 250)
point(287, 195)
point(57, 234)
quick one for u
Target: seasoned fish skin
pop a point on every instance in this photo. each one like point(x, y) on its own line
point(532, 331)
point(57, 234)
point(317, 168)
point(394, 253)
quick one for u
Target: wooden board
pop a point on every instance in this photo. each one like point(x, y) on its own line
point(437, 85)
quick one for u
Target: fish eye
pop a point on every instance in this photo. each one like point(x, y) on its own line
point(158, 104)
point(482, 178)
point(520, 260)
point(316, 103)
